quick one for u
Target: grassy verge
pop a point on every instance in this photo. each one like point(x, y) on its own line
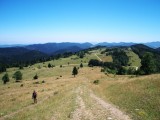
point(137, 96)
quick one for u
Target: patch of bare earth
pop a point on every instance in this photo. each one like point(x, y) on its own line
point(113, 112)
point(91, 107)
point(81, 113)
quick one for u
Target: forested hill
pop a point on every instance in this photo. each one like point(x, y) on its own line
point(52, 48)
point(141, 49)
point(16, 55)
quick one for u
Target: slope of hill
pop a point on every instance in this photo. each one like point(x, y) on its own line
point(69, 49)
point(64, 97)
point(141, 49)
point(50, 48)
point(19, 54)
point(12, 51)
point(158, 49)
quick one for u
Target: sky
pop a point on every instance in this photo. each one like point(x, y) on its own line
point(42, 21)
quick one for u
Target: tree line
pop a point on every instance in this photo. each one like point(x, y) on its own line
point(148, 65)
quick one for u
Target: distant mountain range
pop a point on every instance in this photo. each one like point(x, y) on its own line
point(54, 48)
point(50, 48)
point(41, 51)
point(12, 55)
point(149, 44)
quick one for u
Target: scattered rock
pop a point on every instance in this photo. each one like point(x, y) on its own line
point(109, 118)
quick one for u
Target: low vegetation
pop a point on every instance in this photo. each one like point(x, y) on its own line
point(137, 95)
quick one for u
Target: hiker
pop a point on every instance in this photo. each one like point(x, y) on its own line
point(34, 96)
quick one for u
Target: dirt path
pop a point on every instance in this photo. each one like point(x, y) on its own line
point(88, 106)
point(114, 112)
point(81, 113)
point(91, 107)
point(98, 57)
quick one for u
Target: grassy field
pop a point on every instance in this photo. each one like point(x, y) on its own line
point(74, 59)
point(134, 59)
point(139, 97)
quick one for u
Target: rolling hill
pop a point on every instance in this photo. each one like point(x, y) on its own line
point(90, 95)
point(51, 48)
point(19, 54)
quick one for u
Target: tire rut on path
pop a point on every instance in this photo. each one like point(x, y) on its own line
point(115, 113)
point(91, 107)
point(81, 113)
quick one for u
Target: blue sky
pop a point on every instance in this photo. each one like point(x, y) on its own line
point(41, 21)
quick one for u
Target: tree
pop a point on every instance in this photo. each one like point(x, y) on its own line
point(148, 64)
point(49, 65)
point(17, 75)
point(20, 67)
point(81, 65)
point(5, 78)
point(94, 62)
point(75, 71)
point(2, 68)
point(121, 71)
point(35, 77)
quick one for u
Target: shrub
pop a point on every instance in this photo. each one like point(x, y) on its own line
point(35, 77)
point(21, 67)
point(49, 65)
point(96, 82)
point(43, 81)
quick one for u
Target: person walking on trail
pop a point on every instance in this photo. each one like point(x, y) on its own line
point(34, 96)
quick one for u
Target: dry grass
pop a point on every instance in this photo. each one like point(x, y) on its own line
point(137, 96)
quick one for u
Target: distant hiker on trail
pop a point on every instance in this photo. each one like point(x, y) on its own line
point(34, 96)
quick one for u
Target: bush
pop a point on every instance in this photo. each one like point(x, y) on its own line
point(49, 65)
point(43, 81)
point(35, 77)
point(94, 62)
point(21, 67)
point(102, 70)
point(96, 82)
point(131, 71)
